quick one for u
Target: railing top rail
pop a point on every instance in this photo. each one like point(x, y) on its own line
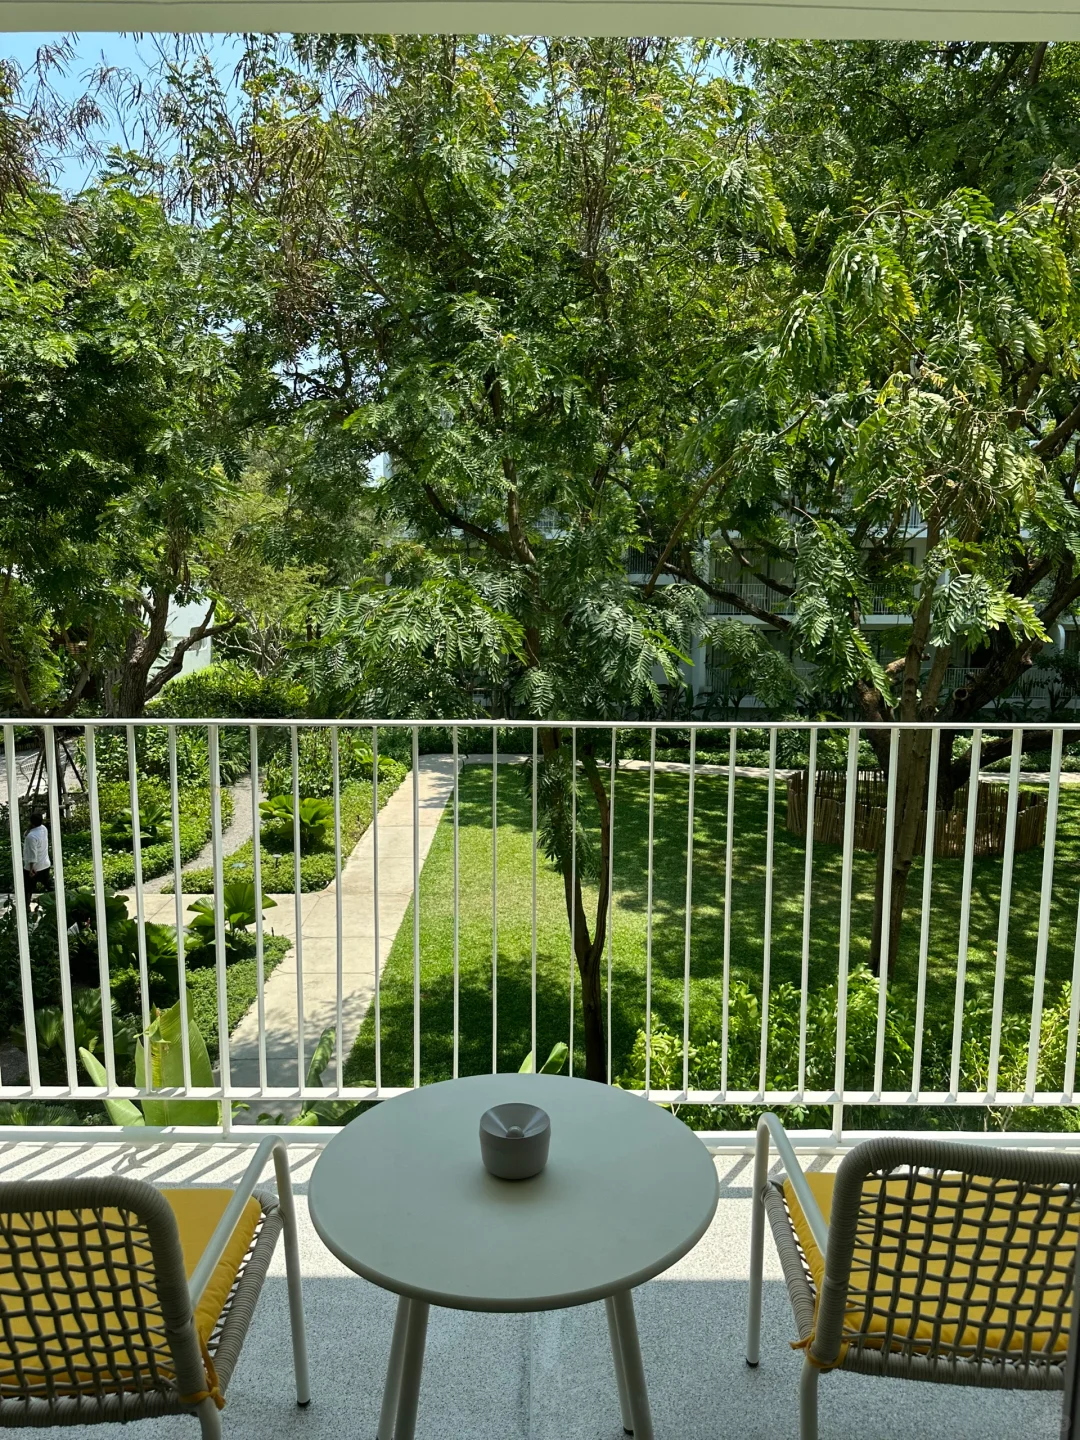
point(743, 723)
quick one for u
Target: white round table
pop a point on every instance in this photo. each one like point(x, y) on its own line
point(401, 1197)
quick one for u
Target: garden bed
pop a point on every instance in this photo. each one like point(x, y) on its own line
point(317, 865)
point(118, 861)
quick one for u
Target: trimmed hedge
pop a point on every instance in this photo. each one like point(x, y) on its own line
point(118, 864)
point(317, 866)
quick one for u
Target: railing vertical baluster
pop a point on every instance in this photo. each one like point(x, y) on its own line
point(1046, 897)
point(416, 901)
point(457, 910)
point(573, 885)
point(808, 880)
point(532, 968)
point(256, 876)
point(648, 915)
point(375, 901)
point(1004, 906)
point(1069, 1086)
point(689, 912)
point(339, 1027)
point(729, 846)
point(850, 794)
point(965, 909)
point(766, 947)
point(99, 908)
point(56, 840)
point(886, 909)
point(298, 909)
point(178, 908)
point(611, 891)
point(22, 926)
point(494, 898)
point(136, 855)
point(219, 918)
point(924, 918)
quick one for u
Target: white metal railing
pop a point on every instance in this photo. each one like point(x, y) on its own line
point(776, 603)
point(740, 796)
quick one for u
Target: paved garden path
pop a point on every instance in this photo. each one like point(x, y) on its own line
point(318, 934)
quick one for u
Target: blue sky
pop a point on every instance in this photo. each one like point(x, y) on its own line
point(136, 53)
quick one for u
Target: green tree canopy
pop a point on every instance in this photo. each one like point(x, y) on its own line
point(116, 381)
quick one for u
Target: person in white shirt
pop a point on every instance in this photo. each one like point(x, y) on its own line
point(37, 866)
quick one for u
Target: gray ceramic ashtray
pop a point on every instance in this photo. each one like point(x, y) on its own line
point(514, 1140)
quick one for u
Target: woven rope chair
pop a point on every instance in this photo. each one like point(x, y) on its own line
point(119, 1301)
point(921, 1260)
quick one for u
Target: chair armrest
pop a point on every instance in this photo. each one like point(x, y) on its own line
point(770, 1128)
point(272, 1145)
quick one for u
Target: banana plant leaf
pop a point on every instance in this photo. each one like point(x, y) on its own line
point(164, 1044)
point(552, 1065)
point(120, 1112)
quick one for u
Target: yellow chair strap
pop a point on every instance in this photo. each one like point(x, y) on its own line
point(214, 1390)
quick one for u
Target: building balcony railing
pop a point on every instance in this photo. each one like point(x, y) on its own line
point(778, 604)
point(723, 962)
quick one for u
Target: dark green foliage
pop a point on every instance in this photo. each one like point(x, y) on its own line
point(314, 762)
point(312, 823)
point(239, 912)
point(118, 865)
point(154, 822)
point(228, 690)
point(317, 866)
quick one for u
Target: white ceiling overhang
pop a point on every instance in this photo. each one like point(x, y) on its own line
point(1022, 20)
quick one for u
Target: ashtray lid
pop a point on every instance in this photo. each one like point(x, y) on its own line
point(514, 1121)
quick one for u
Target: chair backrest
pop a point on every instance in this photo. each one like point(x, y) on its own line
point(93, 1297)
point(951, 1254)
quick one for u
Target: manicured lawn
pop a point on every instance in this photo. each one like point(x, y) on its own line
point(706, 954)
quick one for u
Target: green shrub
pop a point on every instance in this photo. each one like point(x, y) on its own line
point(317, 868)
point(279, 824)
point(239, 911)
point(315, 768)
point(744, 1040)
point(228, 690)
point(118, 866)
point(44, 964)
point(155, 821)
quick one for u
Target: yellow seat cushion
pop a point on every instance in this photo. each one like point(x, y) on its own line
point(1000, 1290)
point(197, 1214)
point(71, 1288)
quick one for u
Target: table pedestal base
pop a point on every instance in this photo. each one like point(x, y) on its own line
point(401, 1396)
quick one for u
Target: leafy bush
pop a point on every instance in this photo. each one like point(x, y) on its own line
point(315, 767)
point(118, 866)
point(29, 1112)
point(744, 1040)
point(44, 964)
point(239, 906)
point(279, 823)
point(155, 821)
point(316, 868)
point(228, 690)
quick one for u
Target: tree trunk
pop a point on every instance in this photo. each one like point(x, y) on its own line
point(911, 778)
point(592, 1011)
point(588, 948)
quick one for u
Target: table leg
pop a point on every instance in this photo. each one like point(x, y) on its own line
point(620, 1377)
point(633, 1370)
point(412, 1366)
point(392, 1389)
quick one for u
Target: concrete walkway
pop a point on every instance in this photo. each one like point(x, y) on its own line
point(317, 950)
